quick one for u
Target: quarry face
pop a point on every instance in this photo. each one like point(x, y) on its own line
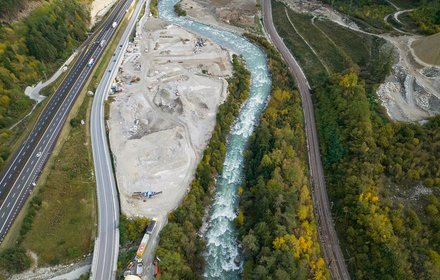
point(165, 100)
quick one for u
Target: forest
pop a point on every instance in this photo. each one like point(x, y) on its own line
point(180, 247)
point(279, 237)
point(382, 176)
point(374, 167)
point(31, 49)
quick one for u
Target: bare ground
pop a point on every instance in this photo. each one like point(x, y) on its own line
point(160, 125)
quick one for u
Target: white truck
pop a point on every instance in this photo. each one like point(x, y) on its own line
point(90, 63)
point(139, 267)
point(114, 24)
point(102, 43)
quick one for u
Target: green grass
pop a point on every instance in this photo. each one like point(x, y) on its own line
point(405, 4)
point(355, 45)
point(331, 56)
point(153, 8)
point(306, 58)
point(63, 228)
point(339, 48)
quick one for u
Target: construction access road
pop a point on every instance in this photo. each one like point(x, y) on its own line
point(21, 173)
point(329, 239)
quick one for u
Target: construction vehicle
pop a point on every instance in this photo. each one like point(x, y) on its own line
point(130, 265)
point(151, 226)
point(142, 195)
point(156, 271)
point(142, 246)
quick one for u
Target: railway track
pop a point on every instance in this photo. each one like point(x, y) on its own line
point(327, 233)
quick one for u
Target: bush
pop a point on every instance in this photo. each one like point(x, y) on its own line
point(14, 260)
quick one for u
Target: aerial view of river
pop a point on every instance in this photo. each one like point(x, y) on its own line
point(222, 255)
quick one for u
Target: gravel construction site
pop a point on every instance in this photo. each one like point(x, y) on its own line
point(412, 90)
point(163, 110)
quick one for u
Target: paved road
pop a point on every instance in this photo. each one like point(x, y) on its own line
point(19, 176)
point(106, 249)
point(327, 233)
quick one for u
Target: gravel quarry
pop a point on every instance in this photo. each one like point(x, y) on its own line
point(412, 90)
point(170, 85)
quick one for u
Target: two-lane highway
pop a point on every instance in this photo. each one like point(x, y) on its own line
point(329, 240)
point(106, 249)
point(20, 175)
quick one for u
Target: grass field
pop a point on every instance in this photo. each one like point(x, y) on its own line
point(63, 228)
point(336, 47)
point(306, 58)
point(405, 4)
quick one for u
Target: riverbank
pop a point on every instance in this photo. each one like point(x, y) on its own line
point(221, 255)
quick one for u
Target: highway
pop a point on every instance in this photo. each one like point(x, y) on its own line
point(23, 169)
point(105, 254)
point(329, 239)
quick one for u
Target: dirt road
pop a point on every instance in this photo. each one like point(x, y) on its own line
point(329, 240)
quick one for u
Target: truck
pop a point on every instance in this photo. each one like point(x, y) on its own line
point(151, 226)
point(114, 24)
point(142, 195)
point(102, 43)
point(142, 246)
point(90, 63)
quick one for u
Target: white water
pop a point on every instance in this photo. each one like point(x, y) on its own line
point(222, 254)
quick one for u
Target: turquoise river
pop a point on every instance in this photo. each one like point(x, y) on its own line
point(222, 253)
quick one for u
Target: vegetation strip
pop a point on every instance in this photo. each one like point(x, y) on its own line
point(279, 237)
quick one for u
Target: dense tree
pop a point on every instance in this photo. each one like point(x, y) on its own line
point(279, 237)
point(385, 238)
point(31, 47)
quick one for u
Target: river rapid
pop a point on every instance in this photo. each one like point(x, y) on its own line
point(223, 260)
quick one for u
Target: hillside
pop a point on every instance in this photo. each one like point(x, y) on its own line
point(427, 49)
point(425, 17)
point(10, 9)
point(29, 49)
point(382, 176)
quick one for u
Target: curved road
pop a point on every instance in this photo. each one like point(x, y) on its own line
point(105, 255)
point(329, 240)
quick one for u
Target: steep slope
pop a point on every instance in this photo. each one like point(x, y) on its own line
point(427, 49)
